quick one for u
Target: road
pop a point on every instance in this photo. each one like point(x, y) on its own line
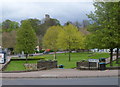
point(61, 81)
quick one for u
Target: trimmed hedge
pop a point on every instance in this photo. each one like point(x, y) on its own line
point(33, 57)
point(37, 57)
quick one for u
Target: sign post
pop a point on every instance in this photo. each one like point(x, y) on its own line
point(2, 58)
point(93, 63)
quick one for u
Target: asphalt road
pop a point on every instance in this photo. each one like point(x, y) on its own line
point(61, 81)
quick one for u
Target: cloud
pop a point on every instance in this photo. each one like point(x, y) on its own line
point(63, 11)
point(47, 0)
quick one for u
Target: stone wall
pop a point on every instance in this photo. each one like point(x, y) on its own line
point(30, 66)
point(46, 64)
point(86, 65)
point(82, 64)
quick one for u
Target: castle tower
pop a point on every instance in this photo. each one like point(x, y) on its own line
point(47, 16)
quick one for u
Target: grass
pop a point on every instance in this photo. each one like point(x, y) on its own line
point(114, 63)
point(18, 65)
point(75, 57)
point(62, 58)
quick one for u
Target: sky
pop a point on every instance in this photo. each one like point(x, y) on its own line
point(63, 10)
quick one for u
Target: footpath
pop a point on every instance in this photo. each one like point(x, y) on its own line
point(62, 73)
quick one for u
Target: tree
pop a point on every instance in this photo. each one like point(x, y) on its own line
point(9, 39)
point(0, 39)
point(48, 22)
point(70, 38)
point(26, 39)
point(34, 23)
point(67, 23)
point(105, 26)
point(77, 24)
point(85, 23)
point(9, 25)
point(40, 27)
point(50, 38)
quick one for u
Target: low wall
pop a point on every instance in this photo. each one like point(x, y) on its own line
point(85, 65)
point(46, 64)
point(82, 64)
point(27, 59)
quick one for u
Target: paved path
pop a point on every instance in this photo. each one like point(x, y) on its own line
point(61, 73)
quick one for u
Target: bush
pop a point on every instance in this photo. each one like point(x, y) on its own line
point(51, 51)
point(41, 51)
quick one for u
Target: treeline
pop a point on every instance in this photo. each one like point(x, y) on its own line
point(9, 28)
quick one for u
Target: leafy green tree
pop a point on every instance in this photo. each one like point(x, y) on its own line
point(52, 22)
point(43, 28)
point(67, 23)
point(50, 38)
point(45, 25)
point(40, 27)
point(105, 26)
point(26, 39)
point(70, 38)
point(9, 25)
point(85, 23)
point(34, 23)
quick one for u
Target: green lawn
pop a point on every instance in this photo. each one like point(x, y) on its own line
point(18, 65)
point(62, 58)
point(75, 57)
point(114, 63)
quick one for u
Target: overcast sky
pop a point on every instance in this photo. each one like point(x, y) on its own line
point(17, 10)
